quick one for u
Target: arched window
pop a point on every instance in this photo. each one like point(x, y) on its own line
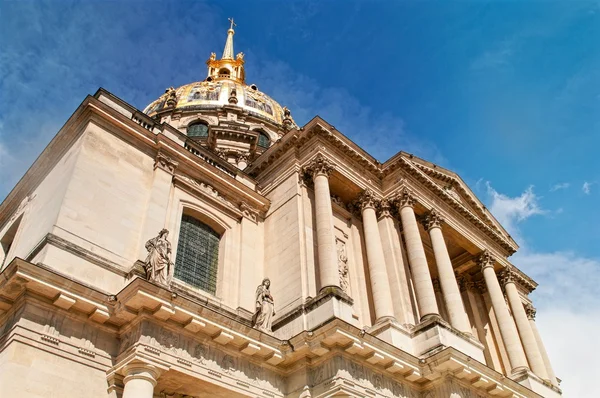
point(263, 140)
point(197, 259)
point(224, 72)
point(197, 130)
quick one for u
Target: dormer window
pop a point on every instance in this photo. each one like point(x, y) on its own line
point(263, 140)
point(197, 130)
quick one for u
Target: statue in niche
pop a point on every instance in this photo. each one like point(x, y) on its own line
point(265, 307)
point(158, 264)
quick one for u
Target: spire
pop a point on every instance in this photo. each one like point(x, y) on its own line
point(228, 51)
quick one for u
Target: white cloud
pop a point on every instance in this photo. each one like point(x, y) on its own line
point(511, 211)
point(586, 188)
point(497, 57)
point(560, 186)
point(567, 298)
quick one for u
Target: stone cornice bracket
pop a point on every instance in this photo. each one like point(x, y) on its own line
point(165, 162)
point(367, 199)
point(405, 198)
point(432, 220)
point(486, 259)
point(530, 311)
point(319, 165)
point(249, 212)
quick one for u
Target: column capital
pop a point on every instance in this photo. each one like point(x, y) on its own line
point(436, 285)
point(319, 165)
point(405, 199)
point(464, 283)
point(141, 371)
point(165, 162)
point(384, 208)
point(367, 199)
point(508, 275)
point(530, 311)
point(480, 286)
point(433, 219)
point(486, 259)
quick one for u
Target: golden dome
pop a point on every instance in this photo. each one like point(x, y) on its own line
point(224, 85)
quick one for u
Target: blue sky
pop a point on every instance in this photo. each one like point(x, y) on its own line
point(505, 93)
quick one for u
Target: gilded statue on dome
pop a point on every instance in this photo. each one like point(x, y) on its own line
point(239, 56)
point(213, 56)
point(265, 307)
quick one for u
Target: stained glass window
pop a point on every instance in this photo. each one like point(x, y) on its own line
point(197, 254)
point(263, 140)
point(197, 130)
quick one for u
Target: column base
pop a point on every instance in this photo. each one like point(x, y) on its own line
point(331, 302)
point(542, 387)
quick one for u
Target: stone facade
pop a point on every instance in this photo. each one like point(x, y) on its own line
point(386, 279)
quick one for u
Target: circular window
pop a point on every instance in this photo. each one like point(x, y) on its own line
point(197, 130)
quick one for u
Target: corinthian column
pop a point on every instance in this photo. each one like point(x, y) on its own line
point(380, 283)
point(321, 168)
point(527, 337)
point(416, 257)
point(509, 334)
point(530, 311)
point(450, 291)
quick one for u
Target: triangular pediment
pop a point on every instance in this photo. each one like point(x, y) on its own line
point(458, 190)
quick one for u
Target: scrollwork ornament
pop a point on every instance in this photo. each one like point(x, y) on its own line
point(530, 311)
point(486, 259)
point(165, 163)
point(432, 220)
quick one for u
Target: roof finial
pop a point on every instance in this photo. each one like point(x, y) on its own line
point(228, 51)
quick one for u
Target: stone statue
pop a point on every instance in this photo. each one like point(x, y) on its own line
point(158, 264)
point(286, 112)
point(265, 308)
point(239, 56)
point(213, 56)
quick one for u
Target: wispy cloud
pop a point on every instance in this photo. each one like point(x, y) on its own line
point(496, 57)
point(568, 295)
point(512, 210)
point(560, 186)
point(587, 187)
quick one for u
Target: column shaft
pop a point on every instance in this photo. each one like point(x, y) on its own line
point(531, 315)
point(139, 381)
point(326, 250)
point(380, 283)
point(527, 337)
point(508, 331)
point(450, 291)
point(418, 263)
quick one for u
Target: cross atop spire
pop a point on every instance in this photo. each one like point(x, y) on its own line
point(228, 51)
